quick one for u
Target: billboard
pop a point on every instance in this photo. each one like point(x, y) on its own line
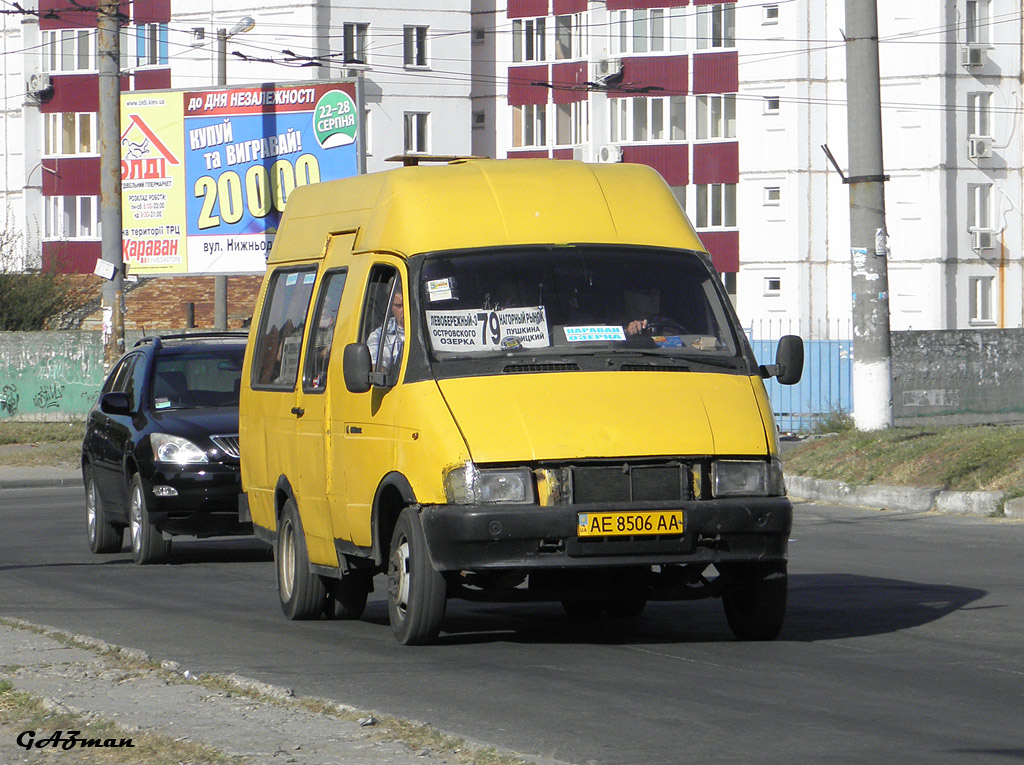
point(205, 174)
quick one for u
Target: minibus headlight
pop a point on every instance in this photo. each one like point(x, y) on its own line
point(467, 485)
point(181, 451)
point(740, 478)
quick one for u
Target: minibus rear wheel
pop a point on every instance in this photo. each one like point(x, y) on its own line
point(303, 595)
point(416, 592)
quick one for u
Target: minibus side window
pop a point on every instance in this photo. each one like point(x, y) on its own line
point(282, 326)
point(321, 333)
point(383, 324)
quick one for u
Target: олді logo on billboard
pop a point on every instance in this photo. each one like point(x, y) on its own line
point(144, 156)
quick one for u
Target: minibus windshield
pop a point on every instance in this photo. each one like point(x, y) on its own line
point(573, 299)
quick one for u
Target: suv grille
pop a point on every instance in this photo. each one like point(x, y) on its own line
point(227, 444)
point(625, 483)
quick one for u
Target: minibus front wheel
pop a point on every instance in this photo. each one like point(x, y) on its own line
point(755, 601)
point(416, 592)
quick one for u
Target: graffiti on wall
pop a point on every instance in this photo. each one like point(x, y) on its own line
point(49, 375)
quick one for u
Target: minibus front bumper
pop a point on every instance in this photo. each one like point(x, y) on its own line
point(499, 537)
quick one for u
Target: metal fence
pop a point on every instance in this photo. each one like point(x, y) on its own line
point(825, 389)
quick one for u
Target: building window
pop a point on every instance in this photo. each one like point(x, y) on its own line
point(716, 205)
point(416, 46)
point(66, 133)
point(529, 125)
point(571, 123)
point(570, 36)
point(71, 218)
point(716, 116)
point(150, 45)
point(979, 214)
point(479, 35)
point(977, 22)
point(772, 104)
point(770, 15)
point(528, 40)
point(69, 50)
point(772, 196)
point(716, 26)
point(772, 286)
point(981, 299)
point(647, 30)
point(647, 119)
point(416, 135)
point(353, 43)
point(978, 106)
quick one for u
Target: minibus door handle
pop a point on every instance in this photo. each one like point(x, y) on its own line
point(298, 411)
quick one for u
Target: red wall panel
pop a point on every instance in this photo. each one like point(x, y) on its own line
point(716, 72)
point(569, 81)
point(527, 9)
point(716, 162)
point(151, 11)
point(621, 5)
point(152, 79)
point(520, 91)
point(561, 154)
point(73, 93)
point(724, 247)
point(562, 7)
point(541, 154)
point(71, 176)
point(71, 257)
point(671, 160)
point(668, 74)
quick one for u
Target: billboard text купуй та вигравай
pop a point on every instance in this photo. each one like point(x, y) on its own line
point(205, 174)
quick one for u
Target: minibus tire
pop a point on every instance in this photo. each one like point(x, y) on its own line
point(302, 593)
point(416, 592)
point(347, 596)
point(148, 544)
point(755, 603)
point(104, 536)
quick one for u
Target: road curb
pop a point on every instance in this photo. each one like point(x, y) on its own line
point(976, 503)
point(39, 483)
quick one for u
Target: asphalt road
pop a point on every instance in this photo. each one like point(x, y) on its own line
point(902, 642)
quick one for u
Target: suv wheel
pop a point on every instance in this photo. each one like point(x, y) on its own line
point(104, 537)
point(302, 593)
point(416, 592)
point(148, 544)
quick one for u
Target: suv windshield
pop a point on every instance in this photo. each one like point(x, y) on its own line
point(573, 299)
point(197, 379)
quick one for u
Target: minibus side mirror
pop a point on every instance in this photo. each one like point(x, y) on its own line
point(789, 361)
point(356, 365)
point(115, 402)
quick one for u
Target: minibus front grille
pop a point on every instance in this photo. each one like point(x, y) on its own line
point(624, 483)
point(526, 368)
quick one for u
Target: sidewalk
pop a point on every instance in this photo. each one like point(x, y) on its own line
point(235, 717)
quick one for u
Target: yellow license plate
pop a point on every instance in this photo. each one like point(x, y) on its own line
point(630, 524)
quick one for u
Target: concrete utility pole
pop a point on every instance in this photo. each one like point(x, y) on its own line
point(872, 362)
point(109, 118)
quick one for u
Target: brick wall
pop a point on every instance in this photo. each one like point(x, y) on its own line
point(162, 302)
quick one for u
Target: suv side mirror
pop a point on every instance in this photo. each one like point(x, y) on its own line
point(789, 361)
point(115, 402)
point(356, 366)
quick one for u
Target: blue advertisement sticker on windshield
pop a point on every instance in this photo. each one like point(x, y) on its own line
point(595, 333)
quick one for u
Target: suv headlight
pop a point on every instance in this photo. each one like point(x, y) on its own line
point(467, 485)
point(747, 478)
point(181, 451)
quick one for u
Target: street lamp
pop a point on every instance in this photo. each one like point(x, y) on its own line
point(244, 24)
point(220, 281)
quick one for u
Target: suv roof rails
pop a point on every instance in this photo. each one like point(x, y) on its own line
point(157, 340)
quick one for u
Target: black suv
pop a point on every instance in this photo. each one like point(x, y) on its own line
point(160, 454)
